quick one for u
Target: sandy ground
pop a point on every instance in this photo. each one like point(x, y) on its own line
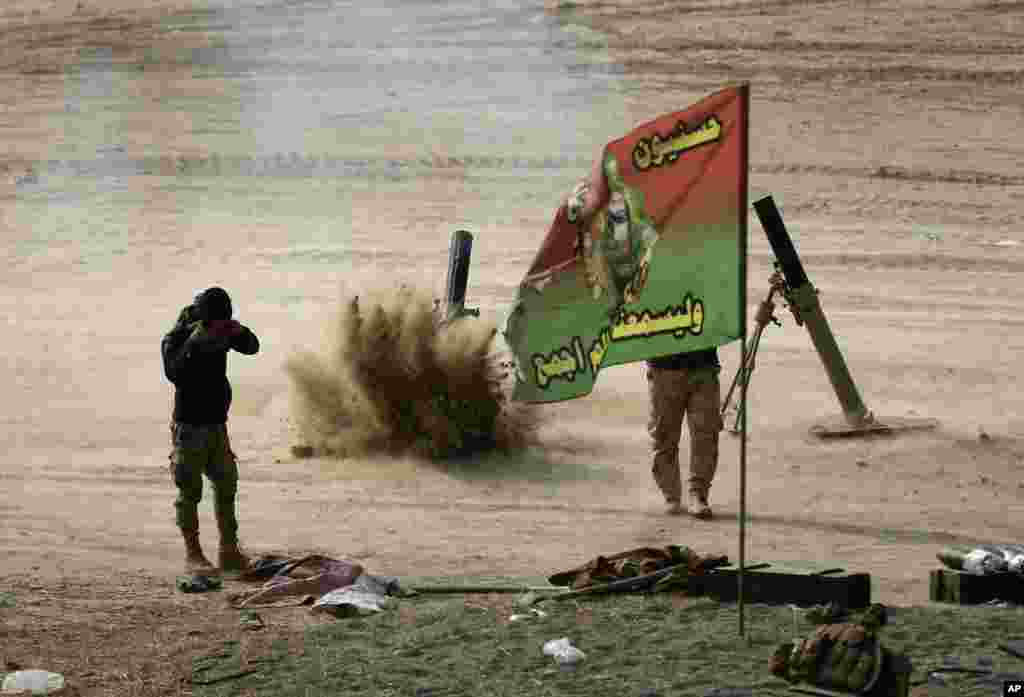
point(889, 132)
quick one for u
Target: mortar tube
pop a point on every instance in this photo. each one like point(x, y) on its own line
point(805, 298)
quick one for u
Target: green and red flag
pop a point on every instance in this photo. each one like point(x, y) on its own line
point(645, 258)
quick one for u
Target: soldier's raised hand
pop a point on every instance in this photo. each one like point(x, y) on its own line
point(224, 328)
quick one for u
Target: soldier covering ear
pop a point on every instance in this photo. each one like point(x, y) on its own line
point(195, 361)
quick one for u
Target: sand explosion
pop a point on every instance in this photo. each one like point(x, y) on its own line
point(394, 380)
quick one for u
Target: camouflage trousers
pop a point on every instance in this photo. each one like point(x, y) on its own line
point(674, 394)
point(198, 450)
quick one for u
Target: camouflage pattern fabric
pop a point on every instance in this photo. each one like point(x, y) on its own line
point(199, 450)
point(634, 562)
point(837, 656)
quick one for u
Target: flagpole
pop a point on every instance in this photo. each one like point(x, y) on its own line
point(744, 152)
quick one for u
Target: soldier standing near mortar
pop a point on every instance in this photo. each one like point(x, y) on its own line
point(685, 384)
point(195, 361)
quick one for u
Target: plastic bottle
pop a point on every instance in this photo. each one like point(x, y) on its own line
point(38, 682)
point(562, 650)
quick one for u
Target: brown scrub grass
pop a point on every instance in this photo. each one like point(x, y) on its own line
point(673, 644)
point(391, 379)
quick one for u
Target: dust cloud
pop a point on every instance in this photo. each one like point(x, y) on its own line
point(392, 379)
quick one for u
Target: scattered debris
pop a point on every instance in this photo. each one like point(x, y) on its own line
point(251, 620)
point(37, 682)
point(562, 650)
point(265, 567)
point(6, 600)
point(534, 612)
point(315, 575)
point(198, 583)
point(862, 463)
point(367, 595)
point(937, 684)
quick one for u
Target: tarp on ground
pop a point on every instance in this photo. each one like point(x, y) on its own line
point(645, 256)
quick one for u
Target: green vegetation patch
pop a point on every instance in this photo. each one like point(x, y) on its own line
point(673, 644)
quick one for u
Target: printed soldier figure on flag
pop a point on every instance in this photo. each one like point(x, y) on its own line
point(617, 239)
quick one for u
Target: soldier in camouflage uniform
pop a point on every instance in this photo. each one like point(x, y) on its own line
point(685, 384)
point(195, 361)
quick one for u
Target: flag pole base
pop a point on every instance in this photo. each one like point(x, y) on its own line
point(839, 427)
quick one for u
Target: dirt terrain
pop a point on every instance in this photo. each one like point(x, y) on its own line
point(890, 134)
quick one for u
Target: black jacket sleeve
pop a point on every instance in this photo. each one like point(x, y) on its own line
point(175, 350)
point(246, 342)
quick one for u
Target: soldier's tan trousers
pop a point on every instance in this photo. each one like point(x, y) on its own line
point(694, 394)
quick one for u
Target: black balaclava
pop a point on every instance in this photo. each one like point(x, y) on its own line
point(213, 303)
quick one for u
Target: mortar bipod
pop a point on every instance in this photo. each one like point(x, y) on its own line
point(765, 314)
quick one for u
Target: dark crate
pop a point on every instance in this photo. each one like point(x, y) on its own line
point(779, 584)
point(949, 586)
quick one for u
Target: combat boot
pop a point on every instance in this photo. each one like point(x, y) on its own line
point(195, 560)
point(232, 558)
point(698, 505)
